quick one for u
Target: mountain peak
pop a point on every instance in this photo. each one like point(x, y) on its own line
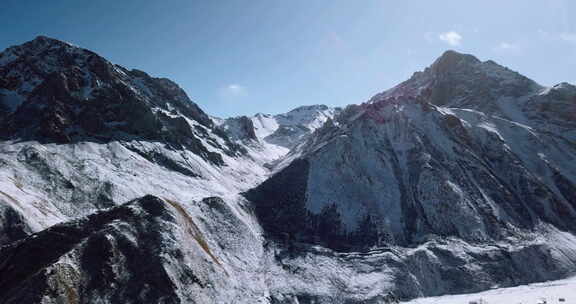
point(451, 60)
point(463, 81)
point(41, 39)
point(44, 39)
point(319, 107)
point(456, 54)
point(38, 45)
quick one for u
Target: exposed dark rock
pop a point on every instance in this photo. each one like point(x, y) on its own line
point(280, 201)
point(13, 226)
point(120, 258)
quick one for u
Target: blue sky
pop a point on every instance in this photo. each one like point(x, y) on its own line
point(236, 57)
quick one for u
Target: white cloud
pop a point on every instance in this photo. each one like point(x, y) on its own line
point(452, 38)
point(233, 90)
point(507, 47)
point(569, 37)
point(236, 89)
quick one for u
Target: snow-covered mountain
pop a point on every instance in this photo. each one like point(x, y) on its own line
point(80, 134)
point(270, 137)
point(466, 151)
point(116, 188)
point(413, 162)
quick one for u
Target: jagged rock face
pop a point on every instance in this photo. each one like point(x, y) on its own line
point(401, 170)
point(55, 92)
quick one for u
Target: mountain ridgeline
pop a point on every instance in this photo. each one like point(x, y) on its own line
point(116, 188)
point(462, 150)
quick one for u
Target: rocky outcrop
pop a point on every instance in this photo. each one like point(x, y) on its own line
point(122, 255)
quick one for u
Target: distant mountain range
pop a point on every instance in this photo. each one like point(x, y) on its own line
point(270, 137)
point(116, 188)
